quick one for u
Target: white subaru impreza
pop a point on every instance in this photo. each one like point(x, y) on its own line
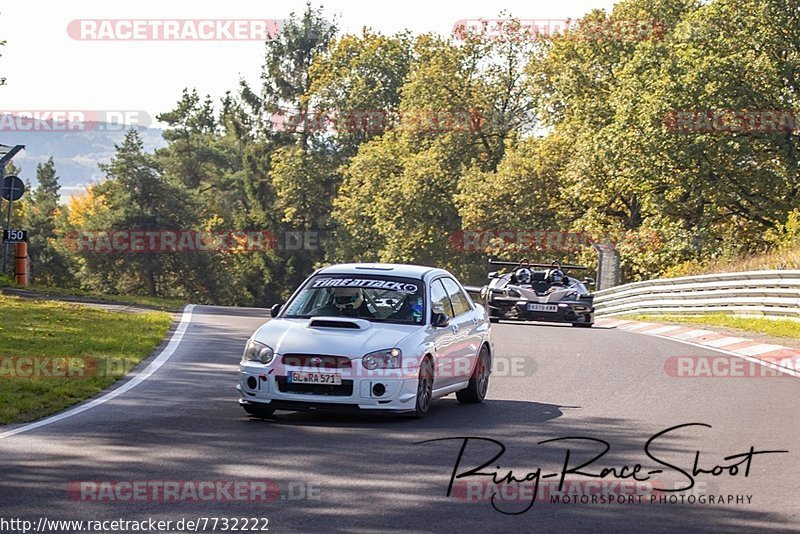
point(370, 337)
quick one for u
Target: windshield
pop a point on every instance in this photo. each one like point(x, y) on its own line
point(374, 298)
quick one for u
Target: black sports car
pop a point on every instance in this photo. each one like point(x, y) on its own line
point(539, 292)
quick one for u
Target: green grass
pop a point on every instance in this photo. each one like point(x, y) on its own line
point(109, 344)
point(774, 327)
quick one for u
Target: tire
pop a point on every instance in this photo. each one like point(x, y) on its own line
point(424, 389)
point(258, 412)
point(475, 392)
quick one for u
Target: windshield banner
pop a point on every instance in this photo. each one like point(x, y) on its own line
point(390, 285)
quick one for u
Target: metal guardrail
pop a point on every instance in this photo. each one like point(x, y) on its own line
point(769, 293)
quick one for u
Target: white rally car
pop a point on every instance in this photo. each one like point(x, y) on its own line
point(371, 337)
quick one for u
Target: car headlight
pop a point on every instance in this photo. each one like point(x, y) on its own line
point(258, 352)
point(383, 359)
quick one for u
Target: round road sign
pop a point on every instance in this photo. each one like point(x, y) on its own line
point(12, 188)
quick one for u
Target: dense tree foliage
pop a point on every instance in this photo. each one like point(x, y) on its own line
point(392, 148)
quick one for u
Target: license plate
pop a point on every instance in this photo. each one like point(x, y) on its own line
point(542, 307)
point(315, 378)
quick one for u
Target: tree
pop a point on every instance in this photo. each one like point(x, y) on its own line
point(49, 265)
point(714, 193)
point(398, 201)
point(136, 197)
point(592, 141)
point(285, 77)
point(355, 86)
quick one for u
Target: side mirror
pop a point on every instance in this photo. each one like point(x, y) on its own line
point(492, 275)
point(439, 320)
point(588, 281)
point(275, 310)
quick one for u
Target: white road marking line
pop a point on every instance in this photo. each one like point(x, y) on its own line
point(663, 330)
point(146, 373)
point(637, 326)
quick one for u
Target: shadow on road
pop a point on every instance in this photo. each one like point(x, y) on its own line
point(371, 471)
point(446, 414)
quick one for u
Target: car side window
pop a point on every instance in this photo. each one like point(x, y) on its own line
point(457, 297)
point(440, 302)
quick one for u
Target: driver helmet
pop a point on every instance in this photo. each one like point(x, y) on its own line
point(348, 298)
point(557, 276)
point(523, 276)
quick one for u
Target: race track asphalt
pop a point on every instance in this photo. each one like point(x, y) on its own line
point(367, 473)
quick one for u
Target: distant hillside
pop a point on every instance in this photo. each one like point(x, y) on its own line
point(76, 153)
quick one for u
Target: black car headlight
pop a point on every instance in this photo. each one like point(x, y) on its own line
point(256, 351)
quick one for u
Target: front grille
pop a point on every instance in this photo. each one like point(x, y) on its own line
point(328, 362)
point(343, 390)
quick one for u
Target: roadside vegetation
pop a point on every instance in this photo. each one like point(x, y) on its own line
point(356, 143)
point(54, 354)
point(785, 328)
point(58, 293)
point(786, 257)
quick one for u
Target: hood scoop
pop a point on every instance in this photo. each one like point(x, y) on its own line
point(334, 323)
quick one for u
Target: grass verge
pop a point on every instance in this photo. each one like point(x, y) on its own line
point(774, 327)
point(55, 354)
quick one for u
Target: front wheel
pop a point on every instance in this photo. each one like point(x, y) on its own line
point(424, 389)
point(475, 392)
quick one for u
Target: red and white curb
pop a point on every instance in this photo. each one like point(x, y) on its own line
point(778, 357)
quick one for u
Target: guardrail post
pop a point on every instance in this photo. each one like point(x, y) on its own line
point(608, 266)
point(22, 263)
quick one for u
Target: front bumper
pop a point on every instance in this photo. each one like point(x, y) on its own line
point(580, 312)
point(390, 390)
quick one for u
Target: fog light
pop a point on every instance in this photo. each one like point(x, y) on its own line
point(378, 390)
point(251, 382)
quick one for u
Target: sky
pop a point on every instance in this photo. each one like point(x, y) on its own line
point(46, 69)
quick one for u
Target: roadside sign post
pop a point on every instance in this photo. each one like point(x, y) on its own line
point(608, 266)
point(12, 189)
